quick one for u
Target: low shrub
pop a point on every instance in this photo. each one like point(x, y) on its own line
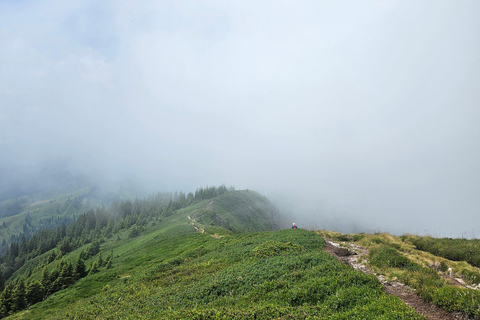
point(472, 276)
point(458, 299)
point(443, 266)
point(274, 248)
point(452, 249)
point(425, 281)
point(386, 256)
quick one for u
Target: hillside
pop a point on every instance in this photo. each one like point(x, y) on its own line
point(241, 211)
point(27, 215)
point(210, 255)
point(129, 227)
point(31, 211)
point(194, 261)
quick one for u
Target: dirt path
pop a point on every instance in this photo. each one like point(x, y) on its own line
point(351, 256)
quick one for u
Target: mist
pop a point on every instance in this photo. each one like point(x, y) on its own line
point(350, 116)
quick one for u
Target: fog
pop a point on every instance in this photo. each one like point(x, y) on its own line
point(349, 115)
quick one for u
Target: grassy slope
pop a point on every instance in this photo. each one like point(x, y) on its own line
point(241, 211)
point(265, 275)
point(53, 207)
point(171, 271)
point(398, 259)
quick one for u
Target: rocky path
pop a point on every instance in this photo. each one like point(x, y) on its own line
point(351, 257)
point(193, 220)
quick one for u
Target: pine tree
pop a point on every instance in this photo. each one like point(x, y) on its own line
point(110, 256)
point(65, 277)
point(80, 270)
point(18, 297)
point(46, 281)
point(94, 268)
point(2, 280)
point(6, 300)
point(34, 292)
point(100, 261)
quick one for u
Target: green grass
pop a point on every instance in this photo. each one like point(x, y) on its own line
point(241, 211)
point(452, 249)
point(398, 259)
point(170, 272)
point(388, 256)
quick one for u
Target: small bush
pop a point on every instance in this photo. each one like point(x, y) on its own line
point(358, 237)
point(377, 240)
point(458, 299)
point(344, 237)
point(386, 256)
point(274, 248)
point(423, 278)
point(443, 266)
point(472, 276)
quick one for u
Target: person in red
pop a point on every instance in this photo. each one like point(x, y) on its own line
point(294, 226)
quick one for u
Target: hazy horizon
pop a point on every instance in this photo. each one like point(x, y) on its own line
point(352, 116)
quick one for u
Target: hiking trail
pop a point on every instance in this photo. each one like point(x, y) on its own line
point(350, 253)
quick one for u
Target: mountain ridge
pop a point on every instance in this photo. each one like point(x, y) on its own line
point(217, 253)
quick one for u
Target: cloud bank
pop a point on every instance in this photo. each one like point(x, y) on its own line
point(352, 116)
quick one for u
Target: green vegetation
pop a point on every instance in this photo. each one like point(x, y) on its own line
point(244, 211)
point(189, 257)
point(452, 249)
point(200, 277)
point(386, 256)
point(212, 254)
point(398, 259)
point(27, 215)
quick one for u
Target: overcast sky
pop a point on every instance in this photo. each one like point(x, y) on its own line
point(353, 115)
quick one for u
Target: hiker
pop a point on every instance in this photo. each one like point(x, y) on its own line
point(294, 226)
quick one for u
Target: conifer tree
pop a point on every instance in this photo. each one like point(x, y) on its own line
point(18, 297)
point(65, 278)
point(100, 261)
point(34, 292)
point(94, 268)
point(46, 281)
point(80, 270)
point(110, 256)
point(2, 280)
point(6, 300)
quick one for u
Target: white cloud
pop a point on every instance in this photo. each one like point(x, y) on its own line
point(372, 107)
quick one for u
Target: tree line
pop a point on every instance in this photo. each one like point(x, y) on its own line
point(23, 292)
point(94, 225)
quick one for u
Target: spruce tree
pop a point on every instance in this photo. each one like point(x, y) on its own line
point(34, 292)
point(80, 270)
point(18, 297)
point(46, 281)
point(65, 278)
point(6, 301)
point(94, 268)
point(100, 261)
point(2, 280)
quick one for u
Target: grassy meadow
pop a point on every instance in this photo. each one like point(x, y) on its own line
point(200, 263)
point(173, 273)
